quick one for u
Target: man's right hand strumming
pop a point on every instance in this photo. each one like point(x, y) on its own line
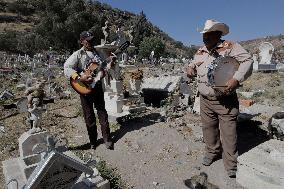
point(85, 78)
point(190, 72)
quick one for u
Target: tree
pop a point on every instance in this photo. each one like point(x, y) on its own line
point(62, 21)
point(142, 29)
point(150, 44)
point(31, 43)
point(21, 7)
point(8, 42)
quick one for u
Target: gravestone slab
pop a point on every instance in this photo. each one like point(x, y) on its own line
point(22, 105)
point(27, 141)
point(163, 83)
point(262, 167)
point(57, 171)
point(6, 95)
point(266, 67)
point(12, 170)
point(266, 50)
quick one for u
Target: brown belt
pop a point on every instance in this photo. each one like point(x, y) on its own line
point(219, 97)
point(210, 97)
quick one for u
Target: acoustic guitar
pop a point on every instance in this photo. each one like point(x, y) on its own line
point(92, 70)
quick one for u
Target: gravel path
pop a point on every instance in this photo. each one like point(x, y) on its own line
point(151, 154)
point(147, 153)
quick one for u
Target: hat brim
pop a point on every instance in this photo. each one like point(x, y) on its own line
point(87, 38)
point(217, 27)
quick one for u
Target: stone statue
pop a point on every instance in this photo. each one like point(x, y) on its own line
point(129, 34)
point(113, 72)
point(35, 116)
point(36, 91)
point(151, 57)
point(106, 31)
point(120, 36)
point(35, 95)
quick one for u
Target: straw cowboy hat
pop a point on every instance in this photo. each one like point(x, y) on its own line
point(213, 25)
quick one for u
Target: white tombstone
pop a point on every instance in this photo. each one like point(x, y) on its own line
point(266, 50)
point(151, 57)
point(255, 62)
point(135, 86)
point(116, 86)
point(124, 57)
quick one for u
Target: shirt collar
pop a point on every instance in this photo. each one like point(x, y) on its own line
point(219, 45)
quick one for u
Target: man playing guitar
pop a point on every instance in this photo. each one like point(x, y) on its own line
point(75, 67)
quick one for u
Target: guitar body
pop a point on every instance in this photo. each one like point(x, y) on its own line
point(81, 87)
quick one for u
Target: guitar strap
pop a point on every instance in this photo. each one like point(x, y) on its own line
point(93, 57)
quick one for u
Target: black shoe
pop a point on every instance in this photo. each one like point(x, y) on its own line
point(208, 161)
point(232, 173)
point(93, 146)
point(109, 145)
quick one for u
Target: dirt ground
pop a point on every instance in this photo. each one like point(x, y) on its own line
point(147, 153)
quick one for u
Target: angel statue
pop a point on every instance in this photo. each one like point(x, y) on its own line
point(35, 116)
point(129, 34)
point(106, 31)
point(35, 95)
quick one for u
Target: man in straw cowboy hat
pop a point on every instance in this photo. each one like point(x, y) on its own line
point(219, 112)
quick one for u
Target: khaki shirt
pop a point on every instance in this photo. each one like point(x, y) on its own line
point(202, 59)
point(78, 61)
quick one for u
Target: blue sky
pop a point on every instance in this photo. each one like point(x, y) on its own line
point(247, 19)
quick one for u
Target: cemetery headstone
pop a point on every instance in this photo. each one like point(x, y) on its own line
point(57, 170)
point(266, 50)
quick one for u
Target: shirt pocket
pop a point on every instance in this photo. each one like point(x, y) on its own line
point(201, 69)
point(83, 62)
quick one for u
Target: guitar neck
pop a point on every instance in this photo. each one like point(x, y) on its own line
point(104, 64)
point(115, 53)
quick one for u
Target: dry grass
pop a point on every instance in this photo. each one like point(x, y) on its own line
point(8, 14)
point(20, 27)
point(271, 85)
point(9, 1)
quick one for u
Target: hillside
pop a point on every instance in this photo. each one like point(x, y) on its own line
point(37, 25)
point(277, 41)
point(34, 26)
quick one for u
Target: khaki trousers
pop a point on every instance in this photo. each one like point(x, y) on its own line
point(219, 122)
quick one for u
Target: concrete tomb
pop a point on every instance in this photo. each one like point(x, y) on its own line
point(44, 165)
point(262, 167)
